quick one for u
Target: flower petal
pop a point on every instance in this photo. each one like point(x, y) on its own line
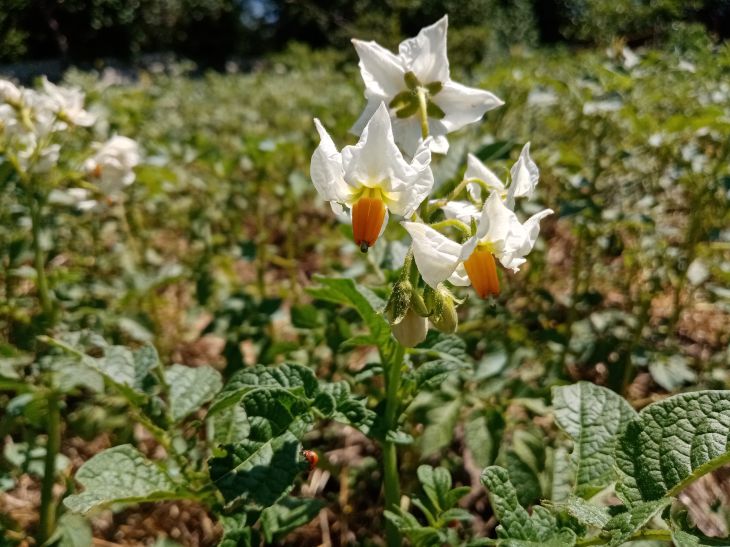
point(419, 183)
point(475, 169)
point(525, 176)
point(375, 159)
point(461, 210)
point(436, 255)
point(460, 277)
point(498, 224)
point(370, 108)
point(326, 168)
point(425, 55)
point(463, 105)
point(381, 70)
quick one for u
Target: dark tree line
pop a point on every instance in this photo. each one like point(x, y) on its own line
point(211, 31)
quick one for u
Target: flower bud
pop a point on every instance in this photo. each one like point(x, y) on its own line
point(399, 302)
point(411, 330)
point(444, 316)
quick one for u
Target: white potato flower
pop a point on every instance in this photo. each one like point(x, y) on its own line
point(68, 104)
point(417, 87)
point(112, 167)
point(371, 178)
point(499, 233)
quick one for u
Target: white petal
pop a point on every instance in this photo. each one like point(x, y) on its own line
point(461, 210)
point(532, 228)
point(370, 108)
point(419, 184)
point(436, 255)
point(425, 55)
point(524, 175)
point(475, 169)
point(522, 241)
point(497, 223)
point(381, 70)
point(460, 277)
point(463, 105)
point(326, 168)
point(407, 134)
point(375, 159)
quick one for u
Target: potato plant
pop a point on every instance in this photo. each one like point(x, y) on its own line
point(407, 320)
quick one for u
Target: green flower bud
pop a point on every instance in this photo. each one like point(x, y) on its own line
point(444, 316)
point(412, 330)
point(399, 302)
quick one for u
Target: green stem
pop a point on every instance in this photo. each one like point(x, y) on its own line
point(53, 446)
point(454, 223)
point(423, 111)
point(39, 261)
point(390, 454)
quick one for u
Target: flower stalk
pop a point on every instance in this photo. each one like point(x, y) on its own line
point(391, 482)
point(53, 446)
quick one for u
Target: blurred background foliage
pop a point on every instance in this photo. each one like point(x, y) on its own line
point(213, 31)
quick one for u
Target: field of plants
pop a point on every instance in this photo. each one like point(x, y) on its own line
point(194, 350)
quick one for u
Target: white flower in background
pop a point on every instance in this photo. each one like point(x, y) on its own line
point(371, 178)
point(9, 93)
point(112, 167)
point(68, 104)
point(77, 197)
point(499, 235)
point(416, 86)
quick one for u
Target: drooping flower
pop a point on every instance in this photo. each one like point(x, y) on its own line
point(417, 87)
point(499, 235)
point(112, 167)
point(371, 178)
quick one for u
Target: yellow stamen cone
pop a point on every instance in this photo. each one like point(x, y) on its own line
point(482, 271)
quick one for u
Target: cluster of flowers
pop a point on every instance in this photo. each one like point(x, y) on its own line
point(31, 125)
point(414, 104)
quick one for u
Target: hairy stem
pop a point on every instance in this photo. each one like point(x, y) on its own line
point(53, 446)
point(390, 455)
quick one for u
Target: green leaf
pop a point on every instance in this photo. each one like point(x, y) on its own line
point(305, 316)
point(72, 530)
point(229, 425)
point(261, 468)
point(190, 388)
point(585, 512)
point(593, 417)
point(341, 290)
point(622, 526)
point(672, 443)
point(120, 475)
point(563, 475)
point(482, 434)
point(348, 408)
point(516, 524)
point(290, 513)
point(448, 347)
point(290, 376)
point(433, 373)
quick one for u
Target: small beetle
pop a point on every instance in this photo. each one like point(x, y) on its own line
point(311, 457)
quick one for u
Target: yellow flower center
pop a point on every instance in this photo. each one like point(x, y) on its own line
point(482, 271)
